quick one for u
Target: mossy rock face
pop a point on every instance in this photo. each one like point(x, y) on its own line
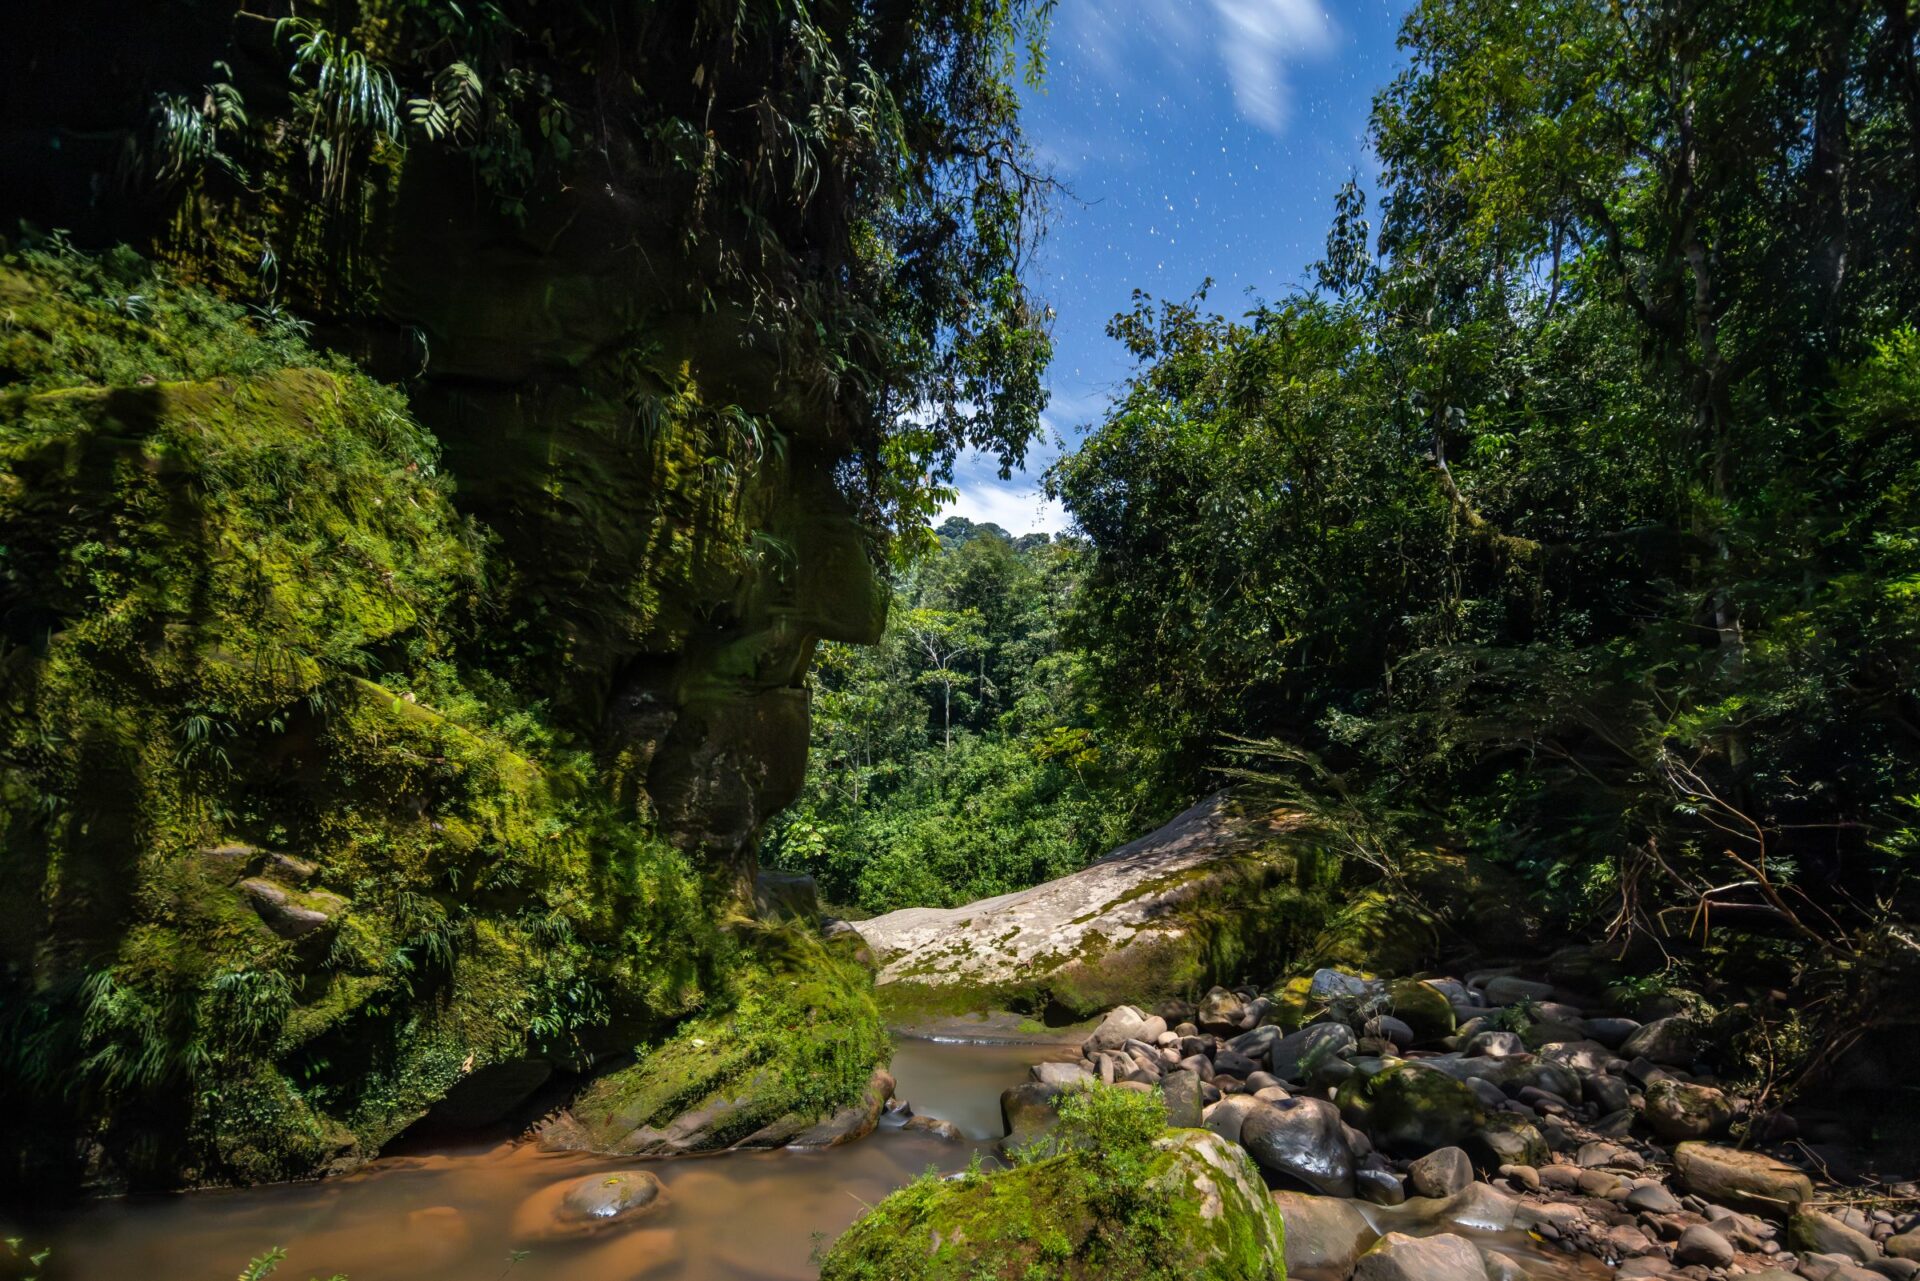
point(798, 1049)
point(1196, 1208)
point(231, 857)
point(1422, 1007)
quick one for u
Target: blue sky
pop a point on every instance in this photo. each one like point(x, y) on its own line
point(1197, 138)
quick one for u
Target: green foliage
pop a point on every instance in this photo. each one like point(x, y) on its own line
point(955, 760)
point(352, 103)
point(1569, 522)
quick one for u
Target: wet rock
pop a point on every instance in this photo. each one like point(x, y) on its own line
point(1396, 1257)
point(1701, 1244)
point(1412, 1109)
point(1672, 1040)
point(1440, 1173)
point(1299, 1052)
point(1677, 1111)
point(1303, 1140)
point(935, 1126)
point(1029, 1112)
point(1811, 1232)
point(1381, 1187)
point(1743, 1180)
point(584, 1207)
point(785, 896)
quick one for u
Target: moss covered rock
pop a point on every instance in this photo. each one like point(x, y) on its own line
point(1411, 1109)
point(1124, 1198)
point(791, 1060)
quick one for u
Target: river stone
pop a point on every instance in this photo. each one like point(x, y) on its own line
point(1651, 1198)
point(1396, 1257)
point(1310, 1046)
point(1441, 1172)
point(1510, 990)
point(1610, 1032)
point(1577, 1056)
point(1811, 1232)
point(1507, 1138)
point(1673, 1040)
point(1331, 985)
point(583, 1207)
point(1412, 1109)
point(935, 1126)
point(1181, 1091)
point(1220, 1012)
point(1302, 1139)
point(1382, 1187)
point(1136, 925)
point(1384, 1027)
point(1701, 1244)
point(1742, 1180)
point(1904, 1245)
point(1677, 1111)
point(1060, 1073)
point(1608, 1093)
point(1495, 1045)
point(1324, 1234)
point(1422, 1006)
point(1227, 1117)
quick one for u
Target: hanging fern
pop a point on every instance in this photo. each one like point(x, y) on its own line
point(354, 101)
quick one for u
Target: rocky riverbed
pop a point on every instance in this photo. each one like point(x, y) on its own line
point(1488, 1127)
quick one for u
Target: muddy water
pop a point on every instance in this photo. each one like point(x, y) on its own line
point(476, 1213)
point(464, 1213)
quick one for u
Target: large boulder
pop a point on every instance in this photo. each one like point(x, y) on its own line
point(1302, 1139)
point(1672, 1040)
point(1191, 1195)
point(1411, 1109)
point(1148, 922)
point(1741, 1180)
point(1298, 1053)
point(1678, 1110)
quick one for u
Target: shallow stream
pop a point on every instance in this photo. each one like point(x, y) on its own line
point(462, 1213)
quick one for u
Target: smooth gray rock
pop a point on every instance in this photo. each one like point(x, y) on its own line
point(1181, 1091)
point(1495, 1045)
point(1381, 1187)
point(1302, 1139)
point(1324, 1234)
point(1508, 989)
point(1653, 1199)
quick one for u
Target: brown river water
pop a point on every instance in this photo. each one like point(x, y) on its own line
point(473, 1212)
point(461, 1213)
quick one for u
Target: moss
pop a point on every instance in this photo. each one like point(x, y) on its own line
point(1124, 1198)
point(798, 1036)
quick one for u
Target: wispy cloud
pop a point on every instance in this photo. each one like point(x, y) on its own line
point(1254, 42)
point(1257, 40)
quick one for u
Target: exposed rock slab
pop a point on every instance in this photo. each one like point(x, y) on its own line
point(1136, 925)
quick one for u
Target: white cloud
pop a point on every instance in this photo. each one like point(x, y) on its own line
point(1018, 509)
point(1133, 43)
point(1257, 39)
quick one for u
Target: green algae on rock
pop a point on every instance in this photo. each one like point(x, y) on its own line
point(794, 1051)
point(1124, 1196)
